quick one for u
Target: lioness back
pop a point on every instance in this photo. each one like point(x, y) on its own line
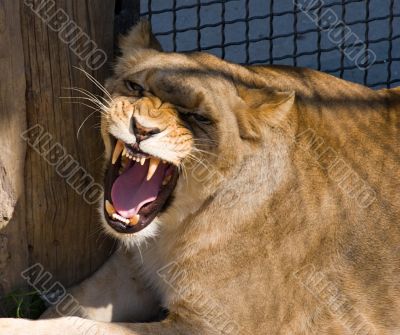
point(263, 200)
point(346, 172)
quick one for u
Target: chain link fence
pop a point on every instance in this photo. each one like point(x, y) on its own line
point(358, 40)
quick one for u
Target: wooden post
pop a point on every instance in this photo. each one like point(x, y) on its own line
point(44, 208)
point(13, 246)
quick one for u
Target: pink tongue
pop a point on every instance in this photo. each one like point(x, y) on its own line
point(131, 191)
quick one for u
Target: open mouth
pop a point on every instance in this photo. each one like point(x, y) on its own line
point(138, 186)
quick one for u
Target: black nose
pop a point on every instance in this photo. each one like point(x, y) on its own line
point(142, 133)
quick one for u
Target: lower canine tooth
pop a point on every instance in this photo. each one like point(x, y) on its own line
point(119, 146)
point(152, 167)
point(166, 180)
point(109, 208)
point(134, 220)
point(124, 162)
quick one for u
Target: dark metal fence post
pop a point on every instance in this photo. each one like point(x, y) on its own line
point(127, 13)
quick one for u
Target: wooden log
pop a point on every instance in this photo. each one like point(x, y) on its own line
point(45, 214)
point(13, 247)
point(63, 231)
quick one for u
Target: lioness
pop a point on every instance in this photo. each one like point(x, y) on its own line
point(250, 200)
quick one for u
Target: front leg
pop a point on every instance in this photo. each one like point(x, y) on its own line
point(78, 326)
point(113, 293)
point(64, 325)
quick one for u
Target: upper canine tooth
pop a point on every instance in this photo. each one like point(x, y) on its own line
point(124, 151)
point(119, 146)
point(142, 160)
point(152, 167)
point(109, 208)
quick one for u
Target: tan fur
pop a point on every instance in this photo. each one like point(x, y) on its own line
point(290, 225)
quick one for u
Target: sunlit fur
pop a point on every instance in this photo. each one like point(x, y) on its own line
point(257, 223)
point(251, 159)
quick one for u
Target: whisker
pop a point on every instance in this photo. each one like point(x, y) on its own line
point(94, 101)
point(205, 152)
point(95, 81)
point(97, 231)
point(91, 97)
point(198, 160)
point(82, 103)
point(182, 169)
point(88, 94)
point(140, 251)
point(80, 127)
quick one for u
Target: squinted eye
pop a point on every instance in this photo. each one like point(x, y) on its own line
point(132, 86)
point(200, 118)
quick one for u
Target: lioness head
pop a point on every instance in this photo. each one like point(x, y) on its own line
point(175, 128)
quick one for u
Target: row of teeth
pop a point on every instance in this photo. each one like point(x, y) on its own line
point(114, 215)
point(121, 150)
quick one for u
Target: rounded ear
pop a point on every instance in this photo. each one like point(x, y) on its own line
point(139, 37)
point(261, 107)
